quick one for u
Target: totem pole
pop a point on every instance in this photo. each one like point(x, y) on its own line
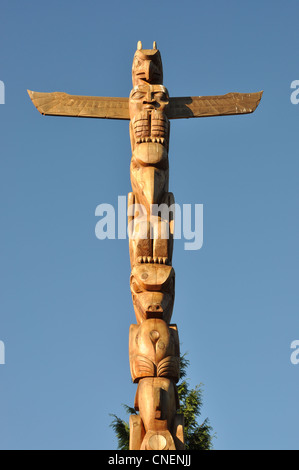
point(153, 343)
point(154, 350)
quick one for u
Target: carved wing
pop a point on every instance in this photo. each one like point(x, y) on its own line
point(221, 105)
point(62, 104)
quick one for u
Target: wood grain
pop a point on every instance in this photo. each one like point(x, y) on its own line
point(62, 104)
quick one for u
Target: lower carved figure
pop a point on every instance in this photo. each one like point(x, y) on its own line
point(158, 426)
point(155, 366)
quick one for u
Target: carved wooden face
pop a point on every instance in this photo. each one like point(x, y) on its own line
point(149, 123)
point(152, 288)
point(148, 98)
point(147, 67)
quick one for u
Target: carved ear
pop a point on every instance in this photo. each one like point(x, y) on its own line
point(139, 45)
point(155, 46)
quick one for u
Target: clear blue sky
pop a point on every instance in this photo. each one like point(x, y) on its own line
point(65, 307)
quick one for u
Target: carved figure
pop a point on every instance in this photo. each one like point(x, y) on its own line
point(154, 350)
point(153, 341)
point(147, 66)
point(152, 288)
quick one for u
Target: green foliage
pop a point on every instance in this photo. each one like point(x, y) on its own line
point(122, 431)
point(197, 436)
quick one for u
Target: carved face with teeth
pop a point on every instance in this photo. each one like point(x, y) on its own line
point(152, 288)
point(149, 123)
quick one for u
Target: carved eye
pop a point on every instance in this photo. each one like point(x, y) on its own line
point(137, 95)
point(161, 96)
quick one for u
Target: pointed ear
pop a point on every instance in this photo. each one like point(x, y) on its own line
point(139, 45)
point(155, 46)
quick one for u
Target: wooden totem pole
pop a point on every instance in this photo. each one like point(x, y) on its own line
point(153, 341)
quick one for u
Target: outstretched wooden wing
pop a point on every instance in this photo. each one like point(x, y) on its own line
point(205, 106)
point(62, 104)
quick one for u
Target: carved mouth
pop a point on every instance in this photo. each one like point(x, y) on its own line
point(154, 140)
point(155, 260)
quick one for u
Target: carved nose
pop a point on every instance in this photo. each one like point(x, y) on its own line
point(149, 99)
point(155, 308)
